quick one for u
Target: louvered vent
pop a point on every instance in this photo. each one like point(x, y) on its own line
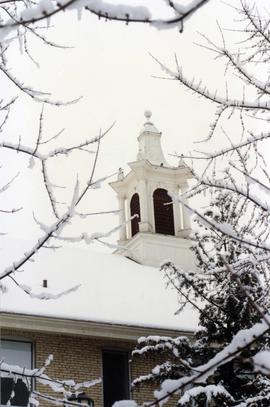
point(164, 221)
point(135, 210)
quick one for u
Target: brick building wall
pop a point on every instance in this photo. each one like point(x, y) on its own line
point(80, 358)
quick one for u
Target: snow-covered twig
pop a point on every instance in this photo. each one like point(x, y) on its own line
point(108, 11)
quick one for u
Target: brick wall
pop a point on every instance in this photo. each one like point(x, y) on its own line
point(80, 358)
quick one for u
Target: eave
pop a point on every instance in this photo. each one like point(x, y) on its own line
point(72, 327)
point(144, 168)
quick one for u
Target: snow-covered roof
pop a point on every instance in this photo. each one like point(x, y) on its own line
point(113, 289)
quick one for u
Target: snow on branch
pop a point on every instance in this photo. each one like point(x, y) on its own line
point(224, 228)
point(241, 341)
point(95, 236)
point(38, 96)
point(45, 9)
point(3, 189)
point(35, 153)
point(225, 151)
point(43, 295)
point(208, 391)
point(162, 343)
point(85, 215)
point(203, 91)
point(65, 387)
point(228, 363)
point(54, 230)
point(13, 210)
point(7, 185)
point(57, 226)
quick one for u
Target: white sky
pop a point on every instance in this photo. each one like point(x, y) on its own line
point(111, 68)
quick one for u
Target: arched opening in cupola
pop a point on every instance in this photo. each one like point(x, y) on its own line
point(135, 210)
point(164, 219)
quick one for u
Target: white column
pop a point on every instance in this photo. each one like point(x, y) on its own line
point(142, 190)
point(122, 218)
point(186, 217)
point(176, 212)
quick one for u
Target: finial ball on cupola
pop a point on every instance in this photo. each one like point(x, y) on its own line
point(148, 114)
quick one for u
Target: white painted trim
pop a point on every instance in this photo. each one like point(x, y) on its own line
point(73, 327)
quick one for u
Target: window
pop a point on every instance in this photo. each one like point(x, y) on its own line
point(164, 220)
point(135, 210)
point(115, 376)
point(18, 353)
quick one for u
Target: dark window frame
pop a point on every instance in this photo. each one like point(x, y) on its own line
point(32, 350)
point(127, 354)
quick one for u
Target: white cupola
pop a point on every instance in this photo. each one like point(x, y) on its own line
point(161, 229)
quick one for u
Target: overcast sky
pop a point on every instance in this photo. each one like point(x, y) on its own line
point(111, 67)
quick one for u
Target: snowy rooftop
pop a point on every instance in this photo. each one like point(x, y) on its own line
point(113, 289)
